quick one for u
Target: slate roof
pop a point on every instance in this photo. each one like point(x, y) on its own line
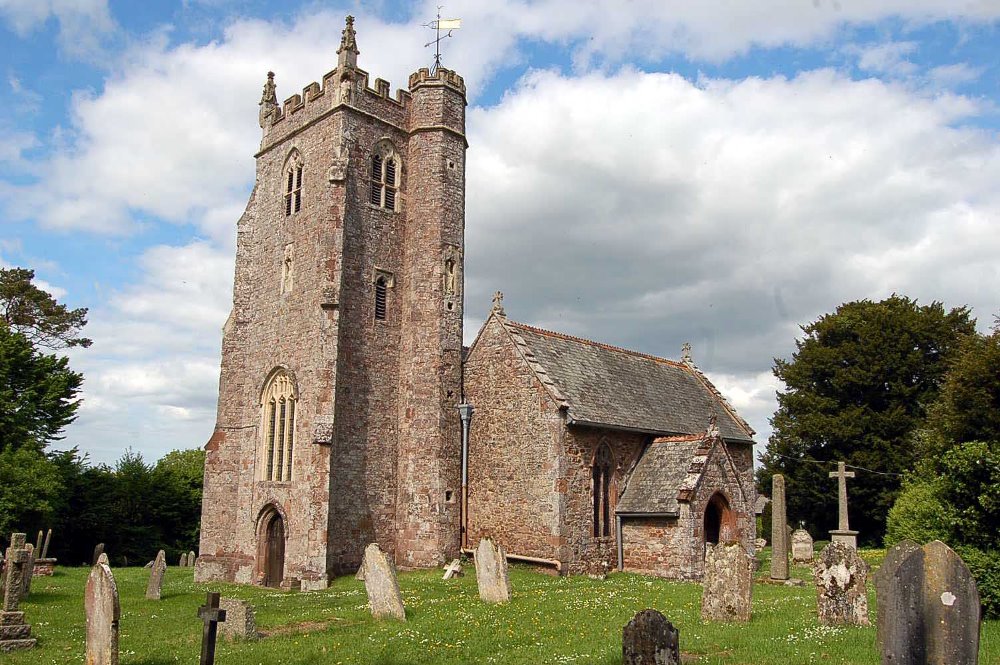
point(659, 475)
point(616, 388)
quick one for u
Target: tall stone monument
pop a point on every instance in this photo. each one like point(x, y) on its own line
point(14, 632)
point(103, 611)
point(843, 533)
point(779, 529)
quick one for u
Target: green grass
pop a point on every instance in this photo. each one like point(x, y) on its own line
point(550, 620)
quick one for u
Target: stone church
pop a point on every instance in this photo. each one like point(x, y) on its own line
point(349, 411)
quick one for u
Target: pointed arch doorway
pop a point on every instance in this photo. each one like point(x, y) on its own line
point(720, 521)
point(271, 549)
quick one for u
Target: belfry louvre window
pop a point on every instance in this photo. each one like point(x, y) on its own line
point(381, 292)
point(293, 189)
point(603, 464)
point(384, 181)
point(279, 427)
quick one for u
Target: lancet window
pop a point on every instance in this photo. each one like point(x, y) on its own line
point(278, 406)
point(602, 470)
point(293, 185)
point(385, 168)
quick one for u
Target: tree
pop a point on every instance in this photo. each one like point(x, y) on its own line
point(857, 386)
point(29, 490)
point(37, 393)
point(33, 312)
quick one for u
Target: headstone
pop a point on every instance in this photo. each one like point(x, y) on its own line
point(491, 572)
point(384, 597)
point(103, 558)
point(45, 548)
point(728, 584)
point(103, 612)
point(843, 533)
point(779, 526)
point(841, 576)
point(240, 623)
point(931, 610)
point(155, 585)
point(649, 639)
point(29, 570)
point(190, 559)
point(98, 551)
point(802, 546)
point(38, 542)
point(211, 616)
point(883, 578)
point(183, 561)
point(15, 633)
point(453, 570)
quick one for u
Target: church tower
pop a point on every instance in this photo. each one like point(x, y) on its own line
point(341, 360)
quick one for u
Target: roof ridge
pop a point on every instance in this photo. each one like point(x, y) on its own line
point(600, 345)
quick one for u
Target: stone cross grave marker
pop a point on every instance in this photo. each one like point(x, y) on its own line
point(802, 546)
point(883, 578)
point(843, 533)
point(103, 611)
point(931, 610)
point(453, 570)
point(841, 594)
point(240, 622)
point(728, 585)
point(155, 585)
point(45, 547)
point(649, 639)
point(183, 562)
point(779, 533)
point(29, 570)
point(15, 633)
point(384, 597)
point(98, 551)
point(491, 572)
point(211, 616)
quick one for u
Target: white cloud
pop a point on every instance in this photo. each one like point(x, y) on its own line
point(885, 58)
point(82, 23)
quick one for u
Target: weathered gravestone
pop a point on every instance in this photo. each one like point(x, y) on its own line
point(29, 570)
point(183, 562)
point(190, 559)
point(240, 623)
point(45, 548)
point(841, 577)
point(728, 584)
point(384, 597)
point(211, 616)
point(929, 613)
point(38, 542)
point(14, 632)
point(453, 570)
point(779, 529)
point(155, 585)
point(98, 551)
point(103, 613)
point(491, 572)
point(802, 546)
point(649, 639)
point(883, 577)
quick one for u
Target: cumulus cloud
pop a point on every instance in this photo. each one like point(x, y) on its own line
point(82, 23)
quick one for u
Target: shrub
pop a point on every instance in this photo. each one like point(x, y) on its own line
point(985, 567)
point(917, 514)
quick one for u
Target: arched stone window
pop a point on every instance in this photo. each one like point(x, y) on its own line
point(293, 184)
point(386, 168)
point(381, 294)
point(278, 407)
point(604, 464)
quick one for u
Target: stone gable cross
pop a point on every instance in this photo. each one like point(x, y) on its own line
point(211, 615)
point(842, 475)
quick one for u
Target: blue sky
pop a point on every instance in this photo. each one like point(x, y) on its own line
point(642, 173)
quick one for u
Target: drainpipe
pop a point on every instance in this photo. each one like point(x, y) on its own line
point(465, 413)
point(621, 545)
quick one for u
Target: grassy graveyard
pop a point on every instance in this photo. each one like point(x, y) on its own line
point(550, 620)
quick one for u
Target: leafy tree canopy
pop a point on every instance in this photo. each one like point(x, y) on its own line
point(29, 310)
point(857, 386)
point(29, 489)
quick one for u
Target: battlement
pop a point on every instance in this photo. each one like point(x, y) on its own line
point(440, 75)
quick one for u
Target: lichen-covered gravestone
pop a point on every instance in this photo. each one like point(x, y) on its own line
point(491, 572)
point(779, 529)
point(384, 597)
point(29, 570)
point(103, 612)
point(883, 578)
point(649, 639)
point(841, 577)
point(929, 610)
point(14, 632)
point(155, 585)
point(802, 546)
point(240, 623)
point(183, 561)
point(728, 586)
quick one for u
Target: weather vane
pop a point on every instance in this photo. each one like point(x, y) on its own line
point(438, 25)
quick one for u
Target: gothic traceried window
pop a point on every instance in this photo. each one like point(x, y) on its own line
point(384, 177)
point(278, 405)
point(602, 470)
point(293, 185)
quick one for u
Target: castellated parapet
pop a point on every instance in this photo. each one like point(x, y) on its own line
point(341, 359)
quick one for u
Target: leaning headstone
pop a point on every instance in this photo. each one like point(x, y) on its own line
point(384, 597)
point(802, 546)
point(38, 542)
point(931, 610)
point(841, 576)
point(45, 547)
point(98, 551)
point(103, 612)
point(883, 579)
point(779, 526)
point(649, 639)
point(491, 572)
point(15, 634)
point(155, 585)
point(29, 570)
point(453, 570)
point(240, 623)
point(183, 561)
point(728, 583)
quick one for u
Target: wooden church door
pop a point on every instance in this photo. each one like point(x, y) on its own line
point(274, 558)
